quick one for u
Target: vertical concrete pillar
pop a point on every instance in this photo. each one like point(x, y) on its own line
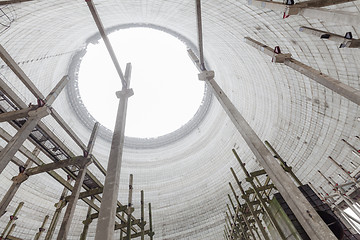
point(106, 221)
point(304, 212)
point(9, 195)
point(87, 222)
point(59, 206)
point(70, 210)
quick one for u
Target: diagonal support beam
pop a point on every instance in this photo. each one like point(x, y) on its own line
point(35, 116)
point(9, 195)
point(101, 29)
point(305, 213)
point(345, 41)
point(5, 56)
point(104, 229)
point(342, 89)
point(70, 210)
point(311, 9)
point(13, 2)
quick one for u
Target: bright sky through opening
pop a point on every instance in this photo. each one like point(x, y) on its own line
point(167, 92)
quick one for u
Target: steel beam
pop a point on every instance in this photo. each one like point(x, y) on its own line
point(342, 89)
point(104, 229)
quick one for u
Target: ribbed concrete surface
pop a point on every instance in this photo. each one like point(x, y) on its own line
point(187, 180)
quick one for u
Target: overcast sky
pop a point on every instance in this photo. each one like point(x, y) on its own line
point(164, 80)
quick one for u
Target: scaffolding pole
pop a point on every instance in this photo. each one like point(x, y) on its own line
point(13, 218)
point(41, 229)
point(105, 229)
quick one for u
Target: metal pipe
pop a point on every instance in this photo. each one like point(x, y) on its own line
point(129, 209)
point(142, 216)
point(12, 219)
point(150, 223)
point(42, 228)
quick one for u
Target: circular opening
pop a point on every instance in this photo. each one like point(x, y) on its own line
point(164, 80)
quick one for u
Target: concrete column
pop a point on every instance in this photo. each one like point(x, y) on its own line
point(304, 212)
point(9, 195)
point(106, 221)
point(34, 117)
point(70, 210)
point(42, 228)
point(86, 222)
point(59, 206)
